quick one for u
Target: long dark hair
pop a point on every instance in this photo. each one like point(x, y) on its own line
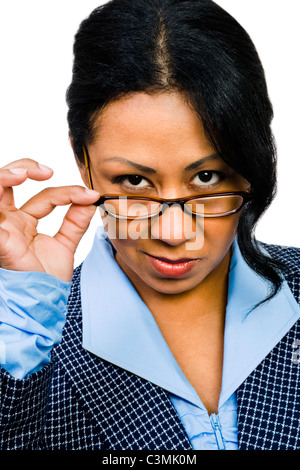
point(198, 49)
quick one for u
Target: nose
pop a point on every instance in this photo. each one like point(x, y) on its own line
point(174, 226)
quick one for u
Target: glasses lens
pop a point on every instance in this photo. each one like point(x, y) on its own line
point(215, 205)
point(139, 209)
point(131, 209)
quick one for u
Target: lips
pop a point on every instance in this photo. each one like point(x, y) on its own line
point(174, 261)
point(172, 268)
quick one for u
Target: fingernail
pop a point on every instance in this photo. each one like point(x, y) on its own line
point(18, 171)
point(92, 192)
point(45, 168)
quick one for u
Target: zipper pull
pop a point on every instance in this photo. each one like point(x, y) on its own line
point(217, 430)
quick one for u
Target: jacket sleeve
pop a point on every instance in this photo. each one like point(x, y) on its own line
point(23, 409)
point(32, 316)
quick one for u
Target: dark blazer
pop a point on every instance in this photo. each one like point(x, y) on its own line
point(82, 402)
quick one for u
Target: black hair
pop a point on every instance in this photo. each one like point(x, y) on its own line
point(196, 48)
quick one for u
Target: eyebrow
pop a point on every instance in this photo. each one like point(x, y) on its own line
point(138, 166)
point(149, 170)
point(200, 162)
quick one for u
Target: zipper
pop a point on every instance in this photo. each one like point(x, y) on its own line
point(214, 419)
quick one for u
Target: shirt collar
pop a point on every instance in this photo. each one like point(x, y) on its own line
point(119, 327)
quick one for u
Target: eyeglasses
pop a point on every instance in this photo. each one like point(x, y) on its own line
point(131, 207)
point(143, 207)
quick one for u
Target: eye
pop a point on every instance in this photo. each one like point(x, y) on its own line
point(208, 178)
point(132, 181)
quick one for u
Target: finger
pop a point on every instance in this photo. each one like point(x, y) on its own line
point(44, 203)
point(13, 177)
point(35, 170)
point(74, 226)
point(16, 176)
point(8, 179)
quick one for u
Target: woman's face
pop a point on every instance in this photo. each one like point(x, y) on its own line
point(155, 145)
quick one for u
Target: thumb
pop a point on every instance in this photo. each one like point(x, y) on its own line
point(74, 226)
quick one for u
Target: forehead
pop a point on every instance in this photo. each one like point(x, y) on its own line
point(151, 127)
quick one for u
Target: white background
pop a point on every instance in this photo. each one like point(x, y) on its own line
point(36, 40)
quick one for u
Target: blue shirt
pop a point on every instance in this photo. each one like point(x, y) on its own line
point(118, 327)
point(32, 316)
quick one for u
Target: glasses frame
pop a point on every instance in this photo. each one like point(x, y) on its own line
point(247, 197)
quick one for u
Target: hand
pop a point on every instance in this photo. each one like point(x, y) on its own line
point(22, 248)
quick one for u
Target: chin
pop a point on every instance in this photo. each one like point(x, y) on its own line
point(171, 286)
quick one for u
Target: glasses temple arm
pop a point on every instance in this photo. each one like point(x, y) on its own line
point(87, 166)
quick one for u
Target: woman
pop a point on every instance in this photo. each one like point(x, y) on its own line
point(181, 329)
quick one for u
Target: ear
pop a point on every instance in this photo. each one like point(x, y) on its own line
point(80, 165)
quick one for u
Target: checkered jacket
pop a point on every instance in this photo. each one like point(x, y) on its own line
point(82, 402)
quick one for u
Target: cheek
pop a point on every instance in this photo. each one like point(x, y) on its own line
point(124, 230)
point(127, 256)
point(220, 232)
point(219, 235)
point(124, 240)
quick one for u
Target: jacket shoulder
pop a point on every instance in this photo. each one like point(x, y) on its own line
point(288, 255)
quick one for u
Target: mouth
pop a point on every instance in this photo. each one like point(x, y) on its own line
point(173, 268)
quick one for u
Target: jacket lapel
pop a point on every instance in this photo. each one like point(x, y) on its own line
point(129, 412)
